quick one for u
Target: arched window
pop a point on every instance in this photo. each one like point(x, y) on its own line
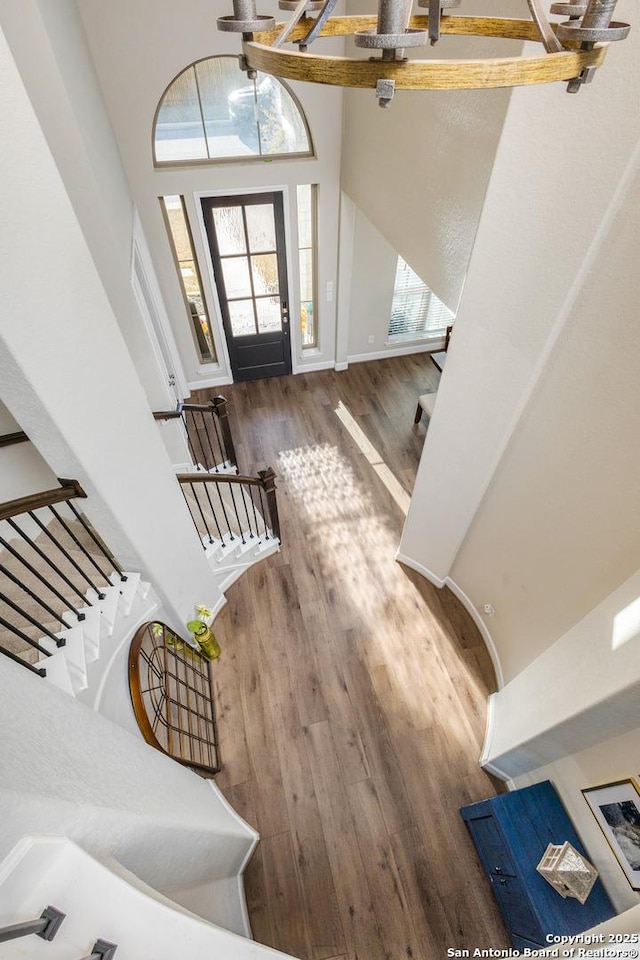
point(213, 112)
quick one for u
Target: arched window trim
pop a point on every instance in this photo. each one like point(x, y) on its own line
point(248, 158)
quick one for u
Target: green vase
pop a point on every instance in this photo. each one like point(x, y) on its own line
point(205, 639)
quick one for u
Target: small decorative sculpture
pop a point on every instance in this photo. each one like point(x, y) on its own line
point(567, 871)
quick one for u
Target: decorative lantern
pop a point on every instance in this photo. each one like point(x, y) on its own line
point(567, 871)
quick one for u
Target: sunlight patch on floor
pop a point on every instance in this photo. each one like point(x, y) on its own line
point(400, 496)
point(355, 544)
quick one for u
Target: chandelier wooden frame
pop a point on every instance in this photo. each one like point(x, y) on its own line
point(565, 64)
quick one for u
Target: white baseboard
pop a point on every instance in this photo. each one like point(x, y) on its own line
point(484, 761)
point(302, 367)
point(467, 604)
point(343, 365)
point(414, 565)
point(207, 382)
point(404, 351)
point(482, 627)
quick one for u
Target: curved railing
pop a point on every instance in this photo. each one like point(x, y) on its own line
point(171, 695)
point(208, 432)
point(53, 565)
point(228, 509)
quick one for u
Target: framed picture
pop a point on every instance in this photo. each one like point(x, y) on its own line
point(616, 807)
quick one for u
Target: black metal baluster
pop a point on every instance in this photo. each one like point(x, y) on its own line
point(224, 511)
point(264, 514)
point(98, 541)
point(65, 554)
point(36, 573)
point(7, 573)
point(32, 643)
point(23, 663)
point(59, 641)
point(214, 459)
point(235, 507)
point(203, 455)
point(243, 493)
point(80, 545)
point(213, 512)
point(222, 416)
point(255, 514)
point(213, 419)
point(206, 525)
point(190, 445)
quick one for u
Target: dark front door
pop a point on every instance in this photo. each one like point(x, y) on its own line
point(246, 237)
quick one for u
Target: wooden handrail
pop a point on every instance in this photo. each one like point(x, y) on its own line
point(220, 478)
point(10, 438)
point(69, 490)
point(174, 414)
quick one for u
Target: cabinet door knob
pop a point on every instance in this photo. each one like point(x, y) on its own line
point(498, 869)
point(502, 880)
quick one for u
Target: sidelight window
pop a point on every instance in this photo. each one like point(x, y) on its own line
point(175, 217)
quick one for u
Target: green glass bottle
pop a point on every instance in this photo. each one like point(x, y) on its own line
point(205, 639)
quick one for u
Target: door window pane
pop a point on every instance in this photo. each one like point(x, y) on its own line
point(241, 318)
point(229, 230)
point(261, 227)
point(269, 314)
point(237, 283)
point(265, 273)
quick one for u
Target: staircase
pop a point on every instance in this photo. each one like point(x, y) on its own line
point(102, 903)
point(68, 612)
point(67, 609)
point(65, 602)
point(236, 516)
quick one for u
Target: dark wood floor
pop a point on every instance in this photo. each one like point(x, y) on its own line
point(351, 693)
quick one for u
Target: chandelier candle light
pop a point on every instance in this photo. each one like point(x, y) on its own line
point(573, 49)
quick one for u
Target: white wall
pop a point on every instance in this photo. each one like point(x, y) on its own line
point(372, 278)
point(22, 469)
point(419, 169)
point(67, 771)
point(613, 759)
point(67, 377)
point(48, 43)
point(559, 527)
point(560, 160)
point(138, 49)
point(581, 690)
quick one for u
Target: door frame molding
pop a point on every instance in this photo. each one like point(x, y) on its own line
point(292, 271)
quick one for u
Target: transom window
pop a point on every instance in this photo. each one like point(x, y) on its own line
point(213, 112)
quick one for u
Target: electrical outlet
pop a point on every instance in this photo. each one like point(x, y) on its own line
point(489, 609)
point(372, 339)
point(329, 291)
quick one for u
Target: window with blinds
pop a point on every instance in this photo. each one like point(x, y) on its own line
point(416, 312)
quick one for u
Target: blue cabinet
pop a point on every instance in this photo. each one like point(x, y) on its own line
point(511, 833)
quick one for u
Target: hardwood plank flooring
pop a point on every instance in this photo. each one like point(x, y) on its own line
point(351, 693)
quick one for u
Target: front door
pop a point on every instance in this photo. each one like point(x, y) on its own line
point(246, 238)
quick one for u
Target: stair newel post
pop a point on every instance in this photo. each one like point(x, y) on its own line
point(268, 478)
point(219, 407)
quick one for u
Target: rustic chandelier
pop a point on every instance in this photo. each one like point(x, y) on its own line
point(573, 49)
